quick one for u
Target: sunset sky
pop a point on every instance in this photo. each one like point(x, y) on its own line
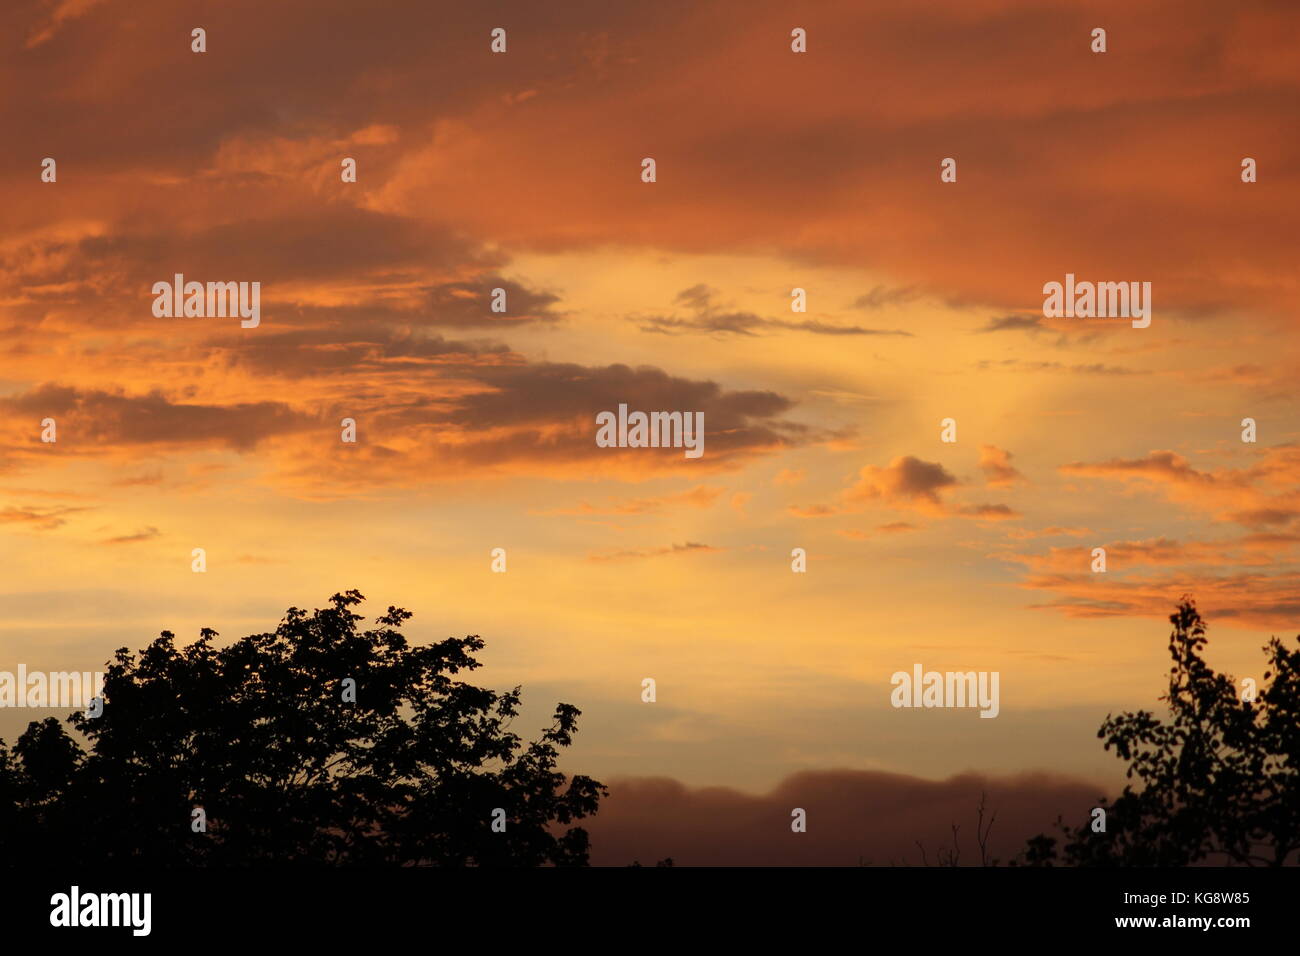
point(775, 171)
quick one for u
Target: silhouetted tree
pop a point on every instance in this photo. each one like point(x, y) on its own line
point(1220, 778)
point(951, 857)
point(258, 735)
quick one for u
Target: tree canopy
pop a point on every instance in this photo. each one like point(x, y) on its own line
point(1219, 777)
point(317, 743)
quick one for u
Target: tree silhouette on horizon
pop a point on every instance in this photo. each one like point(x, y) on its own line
point(1221, 776)
point(258, 735)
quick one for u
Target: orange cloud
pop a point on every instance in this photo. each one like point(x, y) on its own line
point(690, 547)
point(697, 497)
point(1024, 534)
point(894, 527)
point(43, 519)
point(1251, 600)
point(1136, 582)
point(906, 483)
point(1265, 494)
point(998, 471)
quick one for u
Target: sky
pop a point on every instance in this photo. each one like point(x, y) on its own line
point(774, 171)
